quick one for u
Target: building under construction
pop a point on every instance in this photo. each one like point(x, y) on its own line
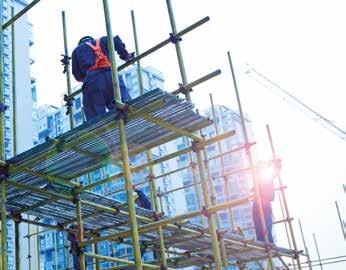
point(43, 181)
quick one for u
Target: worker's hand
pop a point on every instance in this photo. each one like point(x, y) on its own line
point(128, 56)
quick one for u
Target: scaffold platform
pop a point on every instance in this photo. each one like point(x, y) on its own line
point(41, 182)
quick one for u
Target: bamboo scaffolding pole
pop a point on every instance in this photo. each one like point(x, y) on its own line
point(156, 47)
point(305, 246)
point(213, 203)
point(29, 244)
point(14, 108)
point(2, 155)
point(186, 93)
point(111, 259)
point(283, 196)
point(340, 220)
point(124, 148)
point(231, 218)
point(17, 244)
point(317, 251)
point(38, 248)
point(286, 228)
point(55, 250)
point(164, 222)
point(153, 193)
point(68, 73)
point(250, 160)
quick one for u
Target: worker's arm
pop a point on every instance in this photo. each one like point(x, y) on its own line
point(76, 70)
point(144, 199)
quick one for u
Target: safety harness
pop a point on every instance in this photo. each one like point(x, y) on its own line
point(101, 60)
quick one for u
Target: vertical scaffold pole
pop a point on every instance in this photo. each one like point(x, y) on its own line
point(68, 74)
point(217, 217)
point(340, 220)
point(123, 142)
point(251, 164)
point(13, 38)
point(305, 246)
point(38, 247)
point(153, 192)
point(187, 96)
point(317, 251)
point(16, 244)
point(177, 47)
point(285, 204)
point(231, 218)
point(3, 181)
point(80, 232)
point(215, 244)
point(13, 55)
point(29, 243)
point(96, 251)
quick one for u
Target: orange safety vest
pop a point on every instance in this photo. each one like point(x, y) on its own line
point(101, 60)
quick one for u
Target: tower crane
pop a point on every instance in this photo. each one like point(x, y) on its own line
point(294, 101)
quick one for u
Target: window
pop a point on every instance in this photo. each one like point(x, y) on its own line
point(77, 103)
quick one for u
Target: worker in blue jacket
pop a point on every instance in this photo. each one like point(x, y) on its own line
point(91, 65)
point(267, 194)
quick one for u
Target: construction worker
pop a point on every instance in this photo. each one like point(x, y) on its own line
point(75, 250)
point(91, 65)
point(265, 178)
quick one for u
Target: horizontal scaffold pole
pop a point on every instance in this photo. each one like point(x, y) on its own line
point(156, 47)
point(156, 161)
point(112, 259)
point(164, 222)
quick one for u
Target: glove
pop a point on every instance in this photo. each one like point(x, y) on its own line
point(128, 56)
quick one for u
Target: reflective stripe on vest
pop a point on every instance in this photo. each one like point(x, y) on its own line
point(101, 60)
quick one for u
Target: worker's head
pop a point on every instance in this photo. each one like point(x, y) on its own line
point(85, 39)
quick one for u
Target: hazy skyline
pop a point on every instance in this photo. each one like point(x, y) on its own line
point(299, 44)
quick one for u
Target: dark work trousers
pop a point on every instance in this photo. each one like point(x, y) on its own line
point(267, 211)
point(75, 256)
point(98, 92)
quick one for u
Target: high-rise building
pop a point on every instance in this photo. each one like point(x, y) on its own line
point(23, 133)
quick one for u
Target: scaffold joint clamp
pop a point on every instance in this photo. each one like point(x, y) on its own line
point(184, 90)
point(174, 39)
point(4, 174)
point(205, 212)
point(121, 113)
point(68, 103)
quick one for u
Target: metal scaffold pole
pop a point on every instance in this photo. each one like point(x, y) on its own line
point(305, 246)
point(284, 199)
point(67, 72)
point(3, 174)
point(186, 93)
point(231, 218)
point(151, 176)
point(216, 250)
point(251, 164)
point(217, 217)
point(123, 142)
point(317, 251)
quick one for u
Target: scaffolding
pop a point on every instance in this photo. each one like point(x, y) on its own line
point(43, 181)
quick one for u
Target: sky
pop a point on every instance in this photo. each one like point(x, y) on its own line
point(298, 44)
